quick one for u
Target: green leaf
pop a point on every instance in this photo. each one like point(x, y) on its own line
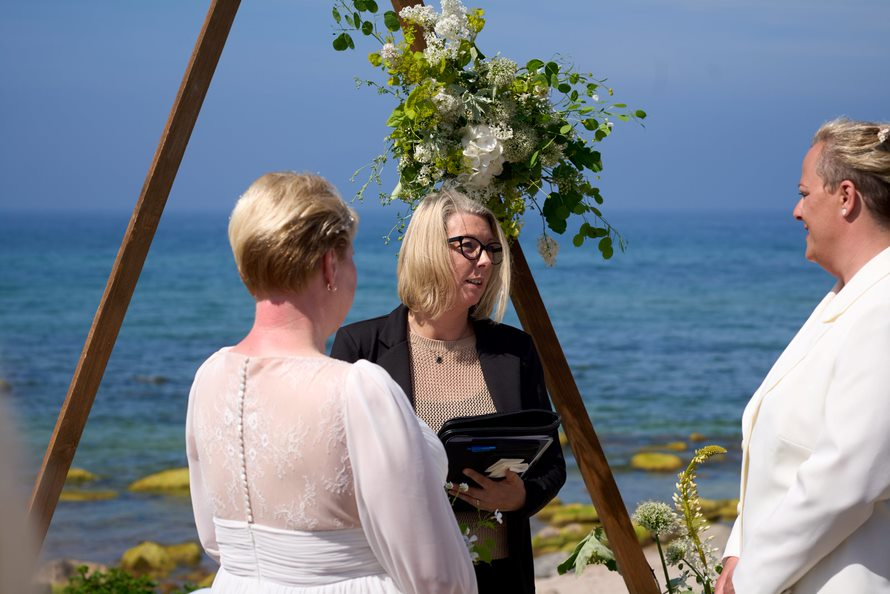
point(640, 114)
point(565, 129)
point(590, 124)
point(623, 117)
point(551, 68)
point(371, 6)
point(391, 20)
point(574, 78)
point(620, 105)
point(396, 117)
point(534, 158)
point(605, 246)
point(574, 95)
point(367, 27)
point(534, 65)
point(359, 4)
point(342, 42)
point(375, 59)
point(578, 240)
point(356, 20)
point(336, 14)
point(585, 110)
point(564, 87)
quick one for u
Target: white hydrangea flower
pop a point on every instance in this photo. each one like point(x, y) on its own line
point(548, 248)
point(484, 154)
point(425, 16)
point(453, 8)
point(453, 28)
point(389, 53)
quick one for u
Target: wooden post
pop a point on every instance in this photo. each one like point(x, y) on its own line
point(586, 447)
point(128, 265)
point(637, 574)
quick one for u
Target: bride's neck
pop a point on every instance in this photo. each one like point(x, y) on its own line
point(283, 326)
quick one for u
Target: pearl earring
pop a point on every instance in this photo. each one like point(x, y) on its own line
point(843, 212)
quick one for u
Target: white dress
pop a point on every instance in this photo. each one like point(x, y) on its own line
point(314, 476)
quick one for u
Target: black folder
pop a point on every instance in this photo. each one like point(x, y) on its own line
point(482, 442)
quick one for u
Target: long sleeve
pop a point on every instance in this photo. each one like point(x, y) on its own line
point(200, 501)
point(837, 487)
point(547, 477)
point(402, 504)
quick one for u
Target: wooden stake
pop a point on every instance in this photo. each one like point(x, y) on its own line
point(586, 447)
point(128, 265)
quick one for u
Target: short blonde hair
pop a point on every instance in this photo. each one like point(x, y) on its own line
point(425, 270)
point(859, 152)
point(281, 228)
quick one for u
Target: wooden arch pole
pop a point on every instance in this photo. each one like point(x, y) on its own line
point(128, 265)
point(588, 452)
point(586, 446)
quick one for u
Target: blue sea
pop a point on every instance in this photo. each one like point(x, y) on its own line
point(668, 338)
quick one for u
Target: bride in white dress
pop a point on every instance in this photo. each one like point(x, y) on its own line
point(310, 475)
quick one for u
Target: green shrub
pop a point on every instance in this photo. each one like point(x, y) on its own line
point(114, 581)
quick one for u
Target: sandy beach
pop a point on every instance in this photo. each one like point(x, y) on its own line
point(599, 580)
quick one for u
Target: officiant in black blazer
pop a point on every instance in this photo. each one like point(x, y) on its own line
point(453, 361)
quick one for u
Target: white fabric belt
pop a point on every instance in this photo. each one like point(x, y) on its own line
point(294, 558)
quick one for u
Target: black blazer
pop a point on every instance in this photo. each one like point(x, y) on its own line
point(515, 379)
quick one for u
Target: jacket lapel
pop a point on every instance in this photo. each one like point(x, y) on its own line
point(500, 368)
point(394, 355)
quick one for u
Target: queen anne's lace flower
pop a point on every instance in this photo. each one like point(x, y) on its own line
point(452, 27)
point(501, 71)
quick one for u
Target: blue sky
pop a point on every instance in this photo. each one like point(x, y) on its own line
point(734, 90)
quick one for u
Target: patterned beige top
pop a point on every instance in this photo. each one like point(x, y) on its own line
point(447, 380)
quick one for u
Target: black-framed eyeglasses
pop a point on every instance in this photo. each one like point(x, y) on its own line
point(471, 248)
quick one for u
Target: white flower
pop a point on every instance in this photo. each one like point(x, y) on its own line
point(498, 516)
point(448, 104)
point(389, 53)
point(656, 517)
point(501, 71)
point(452, 27)
point(883, 135)
point(502, 131)
point(425, 16)
point(463, 487)
point(453, 8)
point(449, 485)
point(548, 248)
point(484, 154)
point(595, 97)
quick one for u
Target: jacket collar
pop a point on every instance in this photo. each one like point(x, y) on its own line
point(873, 271)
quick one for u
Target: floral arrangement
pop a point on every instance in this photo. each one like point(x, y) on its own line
point(693, 555)
point(480, 551)
point(502, 133)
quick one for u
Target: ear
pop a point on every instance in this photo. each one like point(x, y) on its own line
point(849, 196)
point(329, 264)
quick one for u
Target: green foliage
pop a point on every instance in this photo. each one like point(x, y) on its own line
point(514, 138)
point(114, 581)
point(689, 551)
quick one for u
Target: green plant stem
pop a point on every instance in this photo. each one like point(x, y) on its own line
point(667, 578)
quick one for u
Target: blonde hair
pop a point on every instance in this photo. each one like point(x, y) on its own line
point(425, 269)
point(281, 228)
point(859, 152)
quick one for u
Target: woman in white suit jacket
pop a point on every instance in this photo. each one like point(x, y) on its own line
point(814, 510)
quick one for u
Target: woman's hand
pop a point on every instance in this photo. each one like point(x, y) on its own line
point(724, 582)
point(504, 495)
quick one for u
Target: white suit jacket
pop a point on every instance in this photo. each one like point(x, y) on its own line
point(815, 483)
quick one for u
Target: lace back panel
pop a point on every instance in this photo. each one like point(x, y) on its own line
point(270, 434)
